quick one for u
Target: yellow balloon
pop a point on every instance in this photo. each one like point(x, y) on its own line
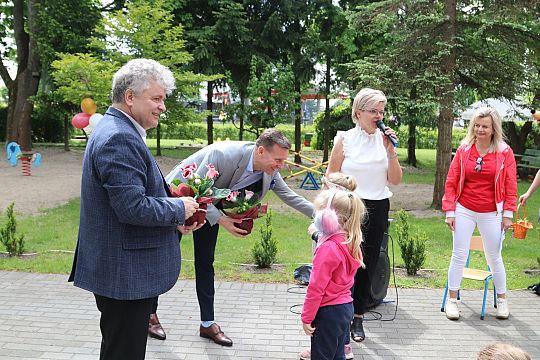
point(536, 115)
point(88, 106)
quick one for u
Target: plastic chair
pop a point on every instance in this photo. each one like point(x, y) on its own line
point(475, 274)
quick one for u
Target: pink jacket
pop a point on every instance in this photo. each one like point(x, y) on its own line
point(505, 180)
point(332, 277)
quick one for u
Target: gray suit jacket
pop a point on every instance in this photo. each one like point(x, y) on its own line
point(128, 244)
point(231, 160)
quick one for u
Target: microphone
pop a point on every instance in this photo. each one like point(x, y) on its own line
point(383, 128)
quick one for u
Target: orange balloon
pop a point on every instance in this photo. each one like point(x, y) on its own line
point(536, 115)
point(88, 106)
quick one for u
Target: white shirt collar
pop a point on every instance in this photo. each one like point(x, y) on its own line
point(138, 126)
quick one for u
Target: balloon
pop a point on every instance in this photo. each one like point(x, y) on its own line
point(536, 116)
point(88, 106)
point(80, 120)
point(95, 119)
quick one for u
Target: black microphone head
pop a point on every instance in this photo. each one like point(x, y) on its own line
point(381, 125)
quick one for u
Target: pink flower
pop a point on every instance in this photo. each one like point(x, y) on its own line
point(232, 196)
point(249, 194)
point(212, 172)
point(189, 170)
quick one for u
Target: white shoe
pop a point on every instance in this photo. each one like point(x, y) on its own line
point(451, 309)
point(502, 308)
point(348, 352)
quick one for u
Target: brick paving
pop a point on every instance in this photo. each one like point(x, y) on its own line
point(44, 317)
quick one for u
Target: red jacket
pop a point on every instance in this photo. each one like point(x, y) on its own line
point(332, 277)
point(505, 180)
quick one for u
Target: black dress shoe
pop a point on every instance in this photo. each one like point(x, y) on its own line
point(357, 329)
point(215, 334)
point(155, 329)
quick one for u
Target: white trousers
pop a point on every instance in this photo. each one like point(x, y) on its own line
point(489, 225)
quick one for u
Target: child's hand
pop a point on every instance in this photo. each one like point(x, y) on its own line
point(308, 329)
point(311, 229)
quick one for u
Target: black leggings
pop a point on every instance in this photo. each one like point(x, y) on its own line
point(373, 228)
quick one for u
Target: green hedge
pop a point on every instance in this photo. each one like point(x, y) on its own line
point(194, 131)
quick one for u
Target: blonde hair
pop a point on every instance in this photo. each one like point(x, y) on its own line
point(350, 211)
point(496, 124)
point(502, 351)
point(366, 99)
point(338, 180)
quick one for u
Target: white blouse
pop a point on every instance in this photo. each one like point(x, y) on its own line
point(366, 160)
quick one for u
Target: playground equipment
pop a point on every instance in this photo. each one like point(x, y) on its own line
point(14, 154)
point(309, 182)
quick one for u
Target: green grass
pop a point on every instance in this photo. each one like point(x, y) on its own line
point(56, 229)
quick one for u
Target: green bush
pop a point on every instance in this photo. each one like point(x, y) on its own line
point(340, 119)
point(48, 118)
point(8, 235)
point(413, 248)
point(265, 251)
point(221, 131)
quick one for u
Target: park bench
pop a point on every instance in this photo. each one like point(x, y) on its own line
point(529, 163)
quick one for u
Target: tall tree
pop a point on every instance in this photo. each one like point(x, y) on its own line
point(39, 29)
point(438, 48)
point(23, 18)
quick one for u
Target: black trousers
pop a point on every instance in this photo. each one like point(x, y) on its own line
point(373, 230)
point(204, 247)
point(124, 327)
point(331, 333)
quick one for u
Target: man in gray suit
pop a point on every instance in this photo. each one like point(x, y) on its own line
point(241, 165)
point(127, 249)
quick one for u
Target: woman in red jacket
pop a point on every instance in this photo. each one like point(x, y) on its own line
point(480, 191)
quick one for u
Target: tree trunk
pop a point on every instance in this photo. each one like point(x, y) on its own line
point(209, 118)
point(411, 144)
point(517, 140)
point(25, 85)
point(66, 133)
point(297, 120)
point(242, 116)
point(444, 125)
point(411, 140)
point(326, 140)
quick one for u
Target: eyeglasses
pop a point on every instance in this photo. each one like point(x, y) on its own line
point(375, 112)
point(479, 163)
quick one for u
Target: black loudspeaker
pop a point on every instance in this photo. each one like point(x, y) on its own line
point(381, 276)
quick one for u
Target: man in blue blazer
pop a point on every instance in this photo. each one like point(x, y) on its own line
point(127, 250)
point(241, 165)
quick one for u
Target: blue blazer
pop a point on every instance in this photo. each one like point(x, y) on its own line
point(128, 245)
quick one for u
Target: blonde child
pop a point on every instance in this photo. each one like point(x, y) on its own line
point(328, 308)
point(502, 351)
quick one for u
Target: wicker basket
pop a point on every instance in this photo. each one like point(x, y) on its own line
point(521, 225)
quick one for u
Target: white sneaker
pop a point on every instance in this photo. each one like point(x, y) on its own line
point(502, 308)
point(348, 352)
point(451, 309)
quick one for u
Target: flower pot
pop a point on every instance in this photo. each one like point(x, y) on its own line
point(199, 215)
point(246, 224)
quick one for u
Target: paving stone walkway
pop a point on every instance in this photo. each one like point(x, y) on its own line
point(44, 317)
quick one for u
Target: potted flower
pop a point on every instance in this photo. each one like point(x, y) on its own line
point(200, 188)
point(243, 205)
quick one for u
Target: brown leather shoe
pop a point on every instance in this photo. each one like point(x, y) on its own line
point(214, 332)
point(155, 329)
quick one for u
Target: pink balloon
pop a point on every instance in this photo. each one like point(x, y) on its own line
point(80, 120)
